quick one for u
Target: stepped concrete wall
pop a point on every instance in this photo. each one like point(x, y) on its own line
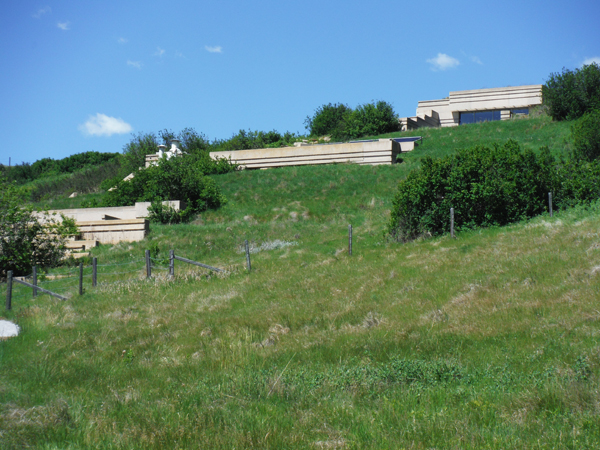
point(381, 151)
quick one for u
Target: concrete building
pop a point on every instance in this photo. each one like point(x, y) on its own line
point(479, 105)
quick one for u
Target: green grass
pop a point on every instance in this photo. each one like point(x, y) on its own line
point(489, 340)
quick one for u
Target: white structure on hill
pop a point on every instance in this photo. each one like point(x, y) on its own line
point(480, 105)
point(162, 150)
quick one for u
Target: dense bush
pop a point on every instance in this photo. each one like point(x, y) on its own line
point(181, 178)
point(371, 119)
point(25, 239)
point(485, 186)
point(329, 119)
point(341, 122)
point(570, 94)
point(586, 136)
point(246, 140)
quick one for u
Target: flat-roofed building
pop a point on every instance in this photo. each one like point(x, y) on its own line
point(479, 105)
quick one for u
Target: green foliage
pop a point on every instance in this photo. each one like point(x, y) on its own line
point(180, 178)
point(370, 119)
point(135, 151)
point(341, 122)
point(27, 239)
point(246, 140)
point(571, 94)
point(329, 119)
point(48, 167)
point(167, 215)
point(586, 136)
point(485, 186)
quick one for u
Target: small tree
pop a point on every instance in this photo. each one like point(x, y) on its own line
point(329, 120)
point(26, 239)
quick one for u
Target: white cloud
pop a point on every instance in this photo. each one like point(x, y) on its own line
point(594, 59)
point(136, 64)
point(122, 40)
point(443, 62)
point(179, 55)
point(103, 125)
point(65, 26)
point(216, 49)
point(40, 12)
point(159, 52)
point(476, 60)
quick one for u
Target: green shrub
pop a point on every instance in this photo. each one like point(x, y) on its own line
point(371, 119)
point(570, 94)
point(578, 182)
point(586, 136)
point(485, 186)
point(167, 215)
point(180, 178)
point(25, 239)
point(342, 123)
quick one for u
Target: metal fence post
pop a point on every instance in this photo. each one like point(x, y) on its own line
point(94, 271)
point(550, 203)
point(172, 263)
point(350, 240)
point(148, 265)
point(9, 289)
point(80, 278)
point(247, 255)
point(451, 222)
point(35, 281)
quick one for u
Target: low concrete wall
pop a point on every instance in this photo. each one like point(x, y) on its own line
point(381, 151)
point(138, 211)
point(113, 231)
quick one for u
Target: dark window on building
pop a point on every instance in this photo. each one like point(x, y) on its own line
point(519, 111)
point(479, 116)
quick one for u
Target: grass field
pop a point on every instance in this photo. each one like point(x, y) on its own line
point(489, 340)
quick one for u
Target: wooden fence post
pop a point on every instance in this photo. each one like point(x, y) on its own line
point(148, 265)
point(247, 255)
point(550, 203)
point(172, 263)
point(80, 278)
point(35, 281)
point(9, 290)
point(452, 222)
point(350, 240)
point(95, 272)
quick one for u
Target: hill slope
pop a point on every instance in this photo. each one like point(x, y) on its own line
point(489, 340)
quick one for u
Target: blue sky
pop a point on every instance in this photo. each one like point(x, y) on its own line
point(83, 75)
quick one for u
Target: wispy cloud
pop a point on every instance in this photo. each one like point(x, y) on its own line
point(159, 52)
point(136, 64)
point(216, 49)
point(40, 12)
point(103, 125)
point(594, 59)
point(65, 26)
point(179, 55)
point(476, 60)
point(443, 62)
point(122, 40)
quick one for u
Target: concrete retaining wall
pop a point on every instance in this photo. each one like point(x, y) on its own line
point(381, 151)
point(113, 231)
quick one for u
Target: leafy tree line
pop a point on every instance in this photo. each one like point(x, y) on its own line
point(47, 167)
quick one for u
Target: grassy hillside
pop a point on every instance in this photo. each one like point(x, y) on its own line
point(489, 340)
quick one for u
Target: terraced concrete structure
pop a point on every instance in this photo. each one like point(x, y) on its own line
point(463, 107)
point(373, 152)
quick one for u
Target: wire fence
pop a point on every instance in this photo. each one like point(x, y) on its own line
point(66, 282)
